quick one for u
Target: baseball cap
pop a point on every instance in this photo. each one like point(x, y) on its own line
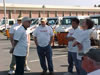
point(43, 19)
point(26, 19)
point(19, 18)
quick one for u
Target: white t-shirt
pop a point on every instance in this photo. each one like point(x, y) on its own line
point(21, 47)
point(97, 72)
point(14, 28)
point(43, 35)
point(84, 38)
point(72, 32)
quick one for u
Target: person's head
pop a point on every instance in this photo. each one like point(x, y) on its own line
point(43, 21)
point(87, 24)
point(91, 60)
point(26, 21)
point(75, 23)
point(19, 20)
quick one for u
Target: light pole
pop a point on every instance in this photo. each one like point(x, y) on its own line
point(43, 10)
point(5, 14)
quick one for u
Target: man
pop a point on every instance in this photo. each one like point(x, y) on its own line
point(13, 62)
point(43, 38)
point(72, 51)
point(12, 30)
point(91, 62)
point(20, 45)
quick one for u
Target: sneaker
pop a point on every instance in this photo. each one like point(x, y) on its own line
point(68, 73)
point(44, 73)
point(11, 72)
point(26, 68)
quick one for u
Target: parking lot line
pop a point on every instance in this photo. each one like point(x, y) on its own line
point(53, 58)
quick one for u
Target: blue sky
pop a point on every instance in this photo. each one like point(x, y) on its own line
point(56, 2)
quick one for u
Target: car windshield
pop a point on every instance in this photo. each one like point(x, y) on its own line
point(52, 21)
point(66, 21)
point(35, 21)
point(96, 20)
point(2, 22)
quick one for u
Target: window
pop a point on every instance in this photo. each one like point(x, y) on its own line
point(34, 22)
point(11, 22)
point(52, 21)
point(66, 21)
point(96, 20)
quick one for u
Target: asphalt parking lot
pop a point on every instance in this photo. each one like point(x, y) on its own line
point(59, 58)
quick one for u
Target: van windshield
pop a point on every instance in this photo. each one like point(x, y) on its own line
point(52, 21)
point(96, 20)
point(3, 22)
point(35, 21)
point(66, 21)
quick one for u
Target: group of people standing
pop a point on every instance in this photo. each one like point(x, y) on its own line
point(20, 40)
point(78, 45)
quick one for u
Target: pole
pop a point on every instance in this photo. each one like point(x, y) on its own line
point(5, 14)
point(43, 10)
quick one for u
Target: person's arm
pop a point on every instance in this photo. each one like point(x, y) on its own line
point(51, 34)
point(11, 31)
point(51, 39)
point(35, 40)
point(11, 39)
point(28, 39)
point(14, 45)
point(70, 38)
point(79, 45)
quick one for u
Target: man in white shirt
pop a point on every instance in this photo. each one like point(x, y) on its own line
point(72, 51)
point(12, 31)
point(91, 62)
point(43, 38)
point(20, 45)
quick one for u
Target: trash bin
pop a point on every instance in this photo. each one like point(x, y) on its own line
point(61, 37)
point(7, 34)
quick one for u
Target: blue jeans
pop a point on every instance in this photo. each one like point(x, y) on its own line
point(72, 58)
point(82, 71)
point(45, 53)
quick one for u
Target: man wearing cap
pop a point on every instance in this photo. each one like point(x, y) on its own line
point(20, 45)
point(91, 62)
point(43, 38)
point(12, 30)
point(13, 62)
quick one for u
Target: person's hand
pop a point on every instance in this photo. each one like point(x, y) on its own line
point(11, 50)
point(80, 47)
point(74, 44)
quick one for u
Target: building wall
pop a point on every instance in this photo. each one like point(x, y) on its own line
point(25, 13)
point(1, 14)
point(66, 13)
point(15, 14)
point(35, 14)
point(60, 13)
point(52, 14)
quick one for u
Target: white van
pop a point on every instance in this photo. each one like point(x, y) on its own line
point(96, 33)
point(54, 21)
point(35, 23)
point(9, 23)
point(67, 22)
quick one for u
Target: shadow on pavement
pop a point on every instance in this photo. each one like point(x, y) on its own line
point(33, 73)
point(3, 72)
point(39, 73)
